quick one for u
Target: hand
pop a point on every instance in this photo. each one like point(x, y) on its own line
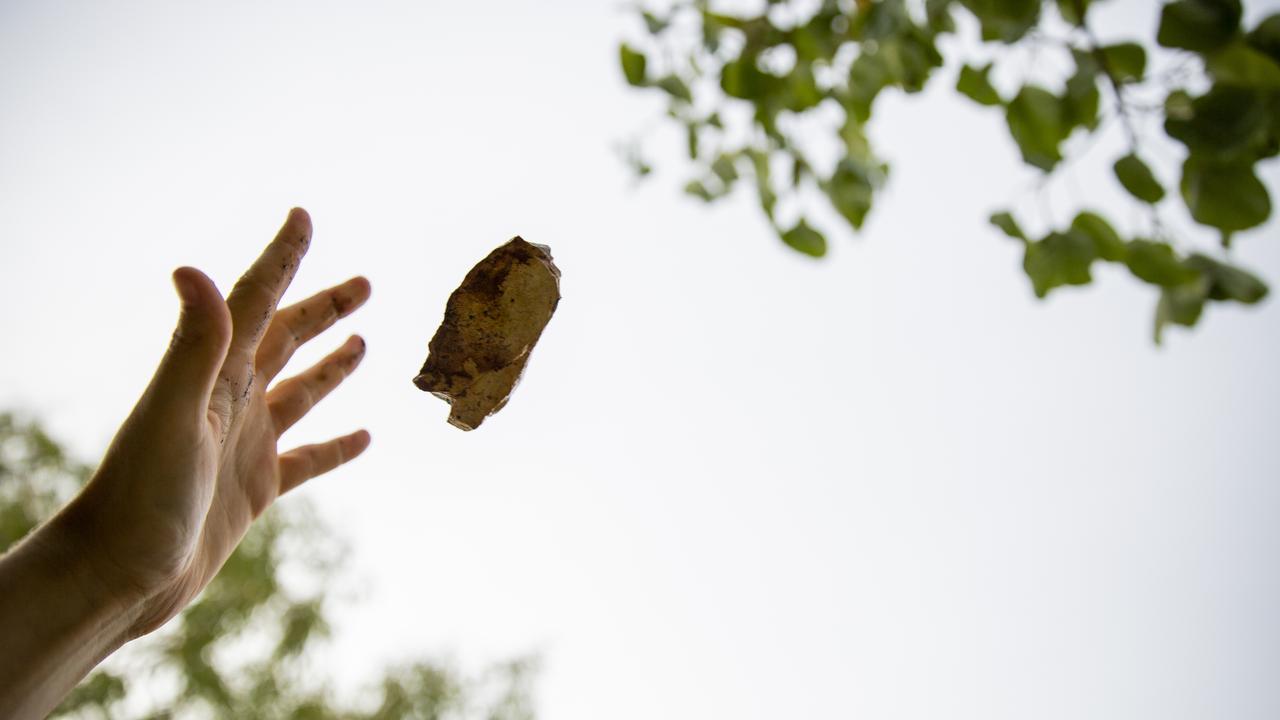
point(196, 462)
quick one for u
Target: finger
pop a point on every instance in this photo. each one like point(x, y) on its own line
point(199, 345)
point(294, 398)
point(293, 326)
point(301, 464)
point(253, 299)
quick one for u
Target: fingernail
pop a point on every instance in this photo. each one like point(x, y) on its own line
point(299, 216)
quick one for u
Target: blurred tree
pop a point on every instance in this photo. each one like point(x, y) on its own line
point(242, 649)
point(740, 85)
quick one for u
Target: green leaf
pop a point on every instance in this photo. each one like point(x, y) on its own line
point(938, 16)
point(879, 21)
point(698, 190)
point(806, 240)
point(101, 690)
point(1227, 196)
point(676, 88)
point(1265, 38)
point(764, 186)
point(1070, 11)
point(302, 621)
point(691, 140)
point(1036, 122)
point(1004, 20)
point(1179, 305)
point(766, 116)
point(1106, 242)
point(1081, 101)
point(851, 188)
point(1138, 179)
point(654, 23)
point(817, 40)
point(719, 20)
point(1059, 259)
point(1126, 61)
point(1227, 282)
point(974, 84)
point(867, 77)
point(1198, 25)
point(1005, 222)
point(856, 146)
point(1226, 123)
point(1179, 105)
point(1240, 64)
point(742, 79)
point(1156, 263)
point(802, 89)
point(633, 65)
point(910, 59)
point(724, 168)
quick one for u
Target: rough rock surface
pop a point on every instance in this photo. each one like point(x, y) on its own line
point(491, 324)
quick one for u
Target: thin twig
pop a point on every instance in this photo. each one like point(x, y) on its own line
point(1095, 49)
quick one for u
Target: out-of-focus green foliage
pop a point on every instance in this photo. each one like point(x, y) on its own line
point(247, 647)
point(792, 59)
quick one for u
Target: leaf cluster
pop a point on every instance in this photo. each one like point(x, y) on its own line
point(246, 647)
point(780, 65)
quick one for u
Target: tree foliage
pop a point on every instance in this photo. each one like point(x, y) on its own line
point(246, 648)
point(1220, 102)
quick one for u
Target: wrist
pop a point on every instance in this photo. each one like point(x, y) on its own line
point(71, 544)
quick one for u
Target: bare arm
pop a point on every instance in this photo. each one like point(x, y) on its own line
point(57, 619)
point(191, 468)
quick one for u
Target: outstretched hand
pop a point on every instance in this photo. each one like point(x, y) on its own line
point(191, 468)
point(197, 460)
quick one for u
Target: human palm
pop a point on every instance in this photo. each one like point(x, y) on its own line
point(196, 462)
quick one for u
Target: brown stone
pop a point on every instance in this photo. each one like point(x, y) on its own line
point(491, 324)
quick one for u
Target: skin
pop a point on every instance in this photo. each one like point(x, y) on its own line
point(192, 467)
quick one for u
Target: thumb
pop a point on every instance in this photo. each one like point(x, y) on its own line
point(199, 346)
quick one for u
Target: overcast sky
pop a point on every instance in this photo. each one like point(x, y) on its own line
point(734, 482)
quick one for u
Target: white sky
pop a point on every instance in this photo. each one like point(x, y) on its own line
point(734, 482)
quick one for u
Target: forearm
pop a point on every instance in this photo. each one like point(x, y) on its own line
point(57, 621)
